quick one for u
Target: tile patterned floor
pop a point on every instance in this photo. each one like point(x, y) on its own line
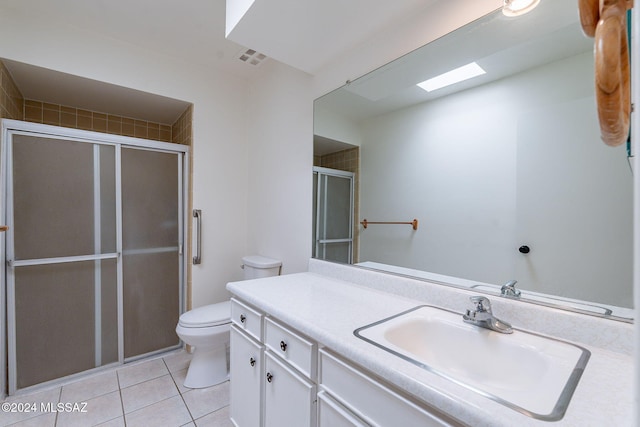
point(146, 394)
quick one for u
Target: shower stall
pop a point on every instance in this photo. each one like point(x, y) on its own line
point(94, 252)
point(333, 207)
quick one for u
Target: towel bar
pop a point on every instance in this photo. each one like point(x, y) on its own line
point(413, 223)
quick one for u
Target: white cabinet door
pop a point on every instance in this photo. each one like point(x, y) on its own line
point(246, 377)
point(289, 397)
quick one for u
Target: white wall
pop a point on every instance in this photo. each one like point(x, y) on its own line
point(334, 126)
point(219, 128)
point(280, 133)
point(451, 163)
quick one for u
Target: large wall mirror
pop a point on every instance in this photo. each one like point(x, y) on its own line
point(505, 172)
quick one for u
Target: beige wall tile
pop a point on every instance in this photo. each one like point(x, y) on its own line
point(68, 120)
point(128, 127)
point(84, 122)
point(11, 101)
point(141, 129)
point(114, 124)
point(153, 131)
point(51, 117)
point(165, 133)
point(32, 113)
point(99, 122)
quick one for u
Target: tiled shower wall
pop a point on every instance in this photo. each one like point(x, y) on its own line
point(11, 102)
point(13, 106)
point(181, 132)
point(70, 117)
point(347, 160)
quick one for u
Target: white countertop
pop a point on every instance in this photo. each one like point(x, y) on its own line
point(328, 310)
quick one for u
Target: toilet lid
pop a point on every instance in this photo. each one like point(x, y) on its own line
point(208, 315)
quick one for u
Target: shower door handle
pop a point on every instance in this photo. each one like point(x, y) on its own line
point(197, 214)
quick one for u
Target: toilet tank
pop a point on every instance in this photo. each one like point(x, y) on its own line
point(257, 266)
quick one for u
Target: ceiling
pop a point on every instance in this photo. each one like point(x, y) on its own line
point(305, 35)
point(309, 34)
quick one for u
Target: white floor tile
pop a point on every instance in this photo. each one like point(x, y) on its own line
point(140, 372)
point(168, 413)
point(46, 420)
point(178, 361)
point(179, 377)
point(46, 396)
point(116, 422)
point(219, 418)
point(88, 388)
point(143, 394)
point(147, 393)
point(98, 410)
point(202, 401)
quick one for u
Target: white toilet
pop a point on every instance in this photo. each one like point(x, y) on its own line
point(207, 329)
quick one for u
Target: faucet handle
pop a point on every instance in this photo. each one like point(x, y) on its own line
point(509, 289)
point(481, 304)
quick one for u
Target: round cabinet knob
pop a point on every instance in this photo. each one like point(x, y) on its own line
point(269, 377)
point(524, 249)
point(242, 318)
point(283, 346)
point(252, 362)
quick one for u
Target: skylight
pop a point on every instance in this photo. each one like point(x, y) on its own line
point(451, 77)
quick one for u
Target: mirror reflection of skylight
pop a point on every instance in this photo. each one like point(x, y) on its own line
point(451, 77)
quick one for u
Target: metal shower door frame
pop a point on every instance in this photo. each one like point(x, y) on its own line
point(7, 276)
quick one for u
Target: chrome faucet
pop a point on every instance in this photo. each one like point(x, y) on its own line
point(509, 290)
point(481, 315)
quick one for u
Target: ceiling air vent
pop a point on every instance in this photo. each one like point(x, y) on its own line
point(252, 57)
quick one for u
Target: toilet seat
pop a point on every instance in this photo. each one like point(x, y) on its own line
point(206, 316)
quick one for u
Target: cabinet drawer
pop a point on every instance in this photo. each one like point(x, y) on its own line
point(333, 414)
point(246, 318)
point(299, 352)
point(372, 401)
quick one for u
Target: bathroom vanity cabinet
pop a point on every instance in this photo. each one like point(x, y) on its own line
point(298, 331)
point(273, 372)
point(279, 377)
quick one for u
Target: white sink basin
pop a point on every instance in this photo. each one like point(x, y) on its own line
point(532, 374)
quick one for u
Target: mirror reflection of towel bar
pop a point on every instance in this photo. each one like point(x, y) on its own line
point(413, 223)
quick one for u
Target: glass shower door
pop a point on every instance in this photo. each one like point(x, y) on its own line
point(94, 251)
point(62, 259)
point(151, 250)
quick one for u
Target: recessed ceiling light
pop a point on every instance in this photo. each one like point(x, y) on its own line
point(518, 7)
point(454, 76)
